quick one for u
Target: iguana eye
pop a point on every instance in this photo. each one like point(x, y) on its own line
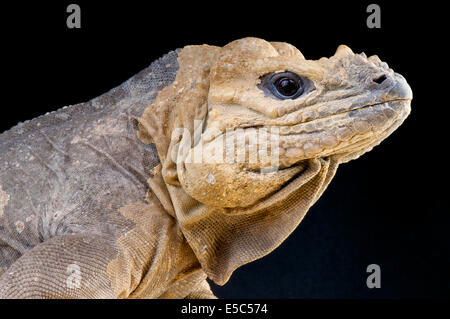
point(288, 86)
point(285, 85)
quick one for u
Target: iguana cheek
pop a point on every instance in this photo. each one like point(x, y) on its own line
point(229, 185)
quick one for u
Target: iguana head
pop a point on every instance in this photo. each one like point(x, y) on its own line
point(254, 120)
point(269, 109)
point(341, 105)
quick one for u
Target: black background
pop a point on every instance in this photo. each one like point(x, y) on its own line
point(390, 207)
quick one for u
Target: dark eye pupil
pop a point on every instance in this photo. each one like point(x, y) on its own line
point(284, 85)
point(287, 86)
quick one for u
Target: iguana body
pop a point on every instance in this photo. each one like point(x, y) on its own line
point(105, 191)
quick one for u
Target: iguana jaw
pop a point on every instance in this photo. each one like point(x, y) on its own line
point(357, 128)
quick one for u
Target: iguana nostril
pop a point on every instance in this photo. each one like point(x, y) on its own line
point(379, 79)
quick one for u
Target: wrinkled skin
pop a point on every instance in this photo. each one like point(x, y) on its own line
point(355, 102)
point(111, 199)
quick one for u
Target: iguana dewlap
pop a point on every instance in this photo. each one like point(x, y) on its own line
point(127, 195)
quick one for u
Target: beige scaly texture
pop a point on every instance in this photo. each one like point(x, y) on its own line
point(102, 200)
point(244, 215)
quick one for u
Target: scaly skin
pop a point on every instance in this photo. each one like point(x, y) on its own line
point(107, 199)
point(343, 116)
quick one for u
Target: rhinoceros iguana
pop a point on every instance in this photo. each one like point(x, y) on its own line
point(205, 161)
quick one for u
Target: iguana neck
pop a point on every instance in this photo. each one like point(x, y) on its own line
point(222, 238)
point(179, 107)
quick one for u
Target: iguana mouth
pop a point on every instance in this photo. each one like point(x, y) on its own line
point(354, 129)
point(373, 104)
point(260, 126)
